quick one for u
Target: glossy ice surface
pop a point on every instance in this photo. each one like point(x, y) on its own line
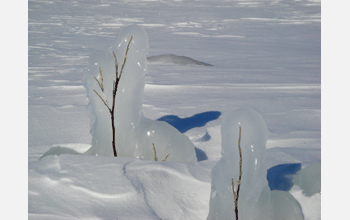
point(255, 200)
point(135, 134)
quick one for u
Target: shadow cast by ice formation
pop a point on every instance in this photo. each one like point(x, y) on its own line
point(201, 155)
point(197, 120)
point(185, 124)
point(280, 177)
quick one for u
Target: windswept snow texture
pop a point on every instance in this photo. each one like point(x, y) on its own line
point(265, 55)
point(135, 134)
point(255, 200)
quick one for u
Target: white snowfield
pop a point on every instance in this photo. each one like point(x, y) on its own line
point(265, 55)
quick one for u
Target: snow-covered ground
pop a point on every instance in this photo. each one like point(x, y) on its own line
point(265, 55)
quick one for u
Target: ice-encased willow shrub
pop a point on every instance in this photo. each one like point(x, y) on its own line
point(256, 200)
point(134, 133)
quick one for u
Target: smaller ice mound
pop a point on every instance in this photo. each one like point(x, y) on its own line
point(255, 200)
point(172, 58)
point(309, 179)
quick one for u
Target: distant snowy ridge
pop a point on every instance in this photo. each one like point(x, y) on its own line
point(172, 58)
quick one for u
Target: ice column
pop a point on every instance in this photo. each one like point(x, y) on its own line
point(135, 134)
point(255, 199)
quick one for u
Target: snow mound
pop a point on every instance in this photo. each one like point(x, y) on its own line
point(87, 187)
point(172, 58)
point(255, 201)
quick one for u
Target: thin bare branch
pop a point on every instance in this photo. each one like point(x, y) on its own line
point(104, 102)
point(114, 93)
point(155, 153)
point(233, 190)
point(240, 162)
point(126, 55)
point(100, 70)
point(100, 83)
point(236, 194)
point(115, 62)
point(166, 158)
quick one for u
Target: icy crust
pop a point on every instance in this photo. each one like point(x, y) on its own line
point(256, 201)
point(135, 134)
point(309, 179)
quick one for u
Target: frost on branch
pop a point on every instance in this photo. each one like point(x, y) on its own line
point(256, 201)
point(134, 133)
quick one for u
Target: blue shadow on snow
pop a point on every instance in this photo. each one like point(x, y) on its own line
point(201, 155)
point(197, 120)
point(185, 124)
point(280, 177)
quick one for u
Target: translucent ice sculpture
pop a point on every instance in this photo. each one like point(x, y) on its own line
point(135, 134)
point(309, 179)
point(255, 200)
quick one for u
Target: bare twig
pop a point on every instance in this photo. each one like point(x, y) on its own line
point(115, 61)
point(104, 102)
point(126, 55)
point(114, 92)
point(166, 157)
point(236, 195)
point(155, 153)
point(233, 190)
point(240, 172)
point(100, 83)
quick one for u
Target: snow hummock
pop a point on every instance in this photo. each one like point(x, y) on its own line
point(255, 201)
point(135, 134)
point(88, 187)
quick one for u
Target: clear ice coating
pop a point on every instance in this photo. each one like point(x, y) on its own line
point(309, 179)
point(135, 134)
point(255, 201)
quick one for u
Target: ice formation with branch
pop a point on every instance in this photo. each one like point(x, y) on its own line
point(256, 200)
point(134, 133)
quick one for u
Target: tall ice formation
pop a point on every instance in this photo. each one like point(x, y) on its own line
point(255, 201)
point(135, 134)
